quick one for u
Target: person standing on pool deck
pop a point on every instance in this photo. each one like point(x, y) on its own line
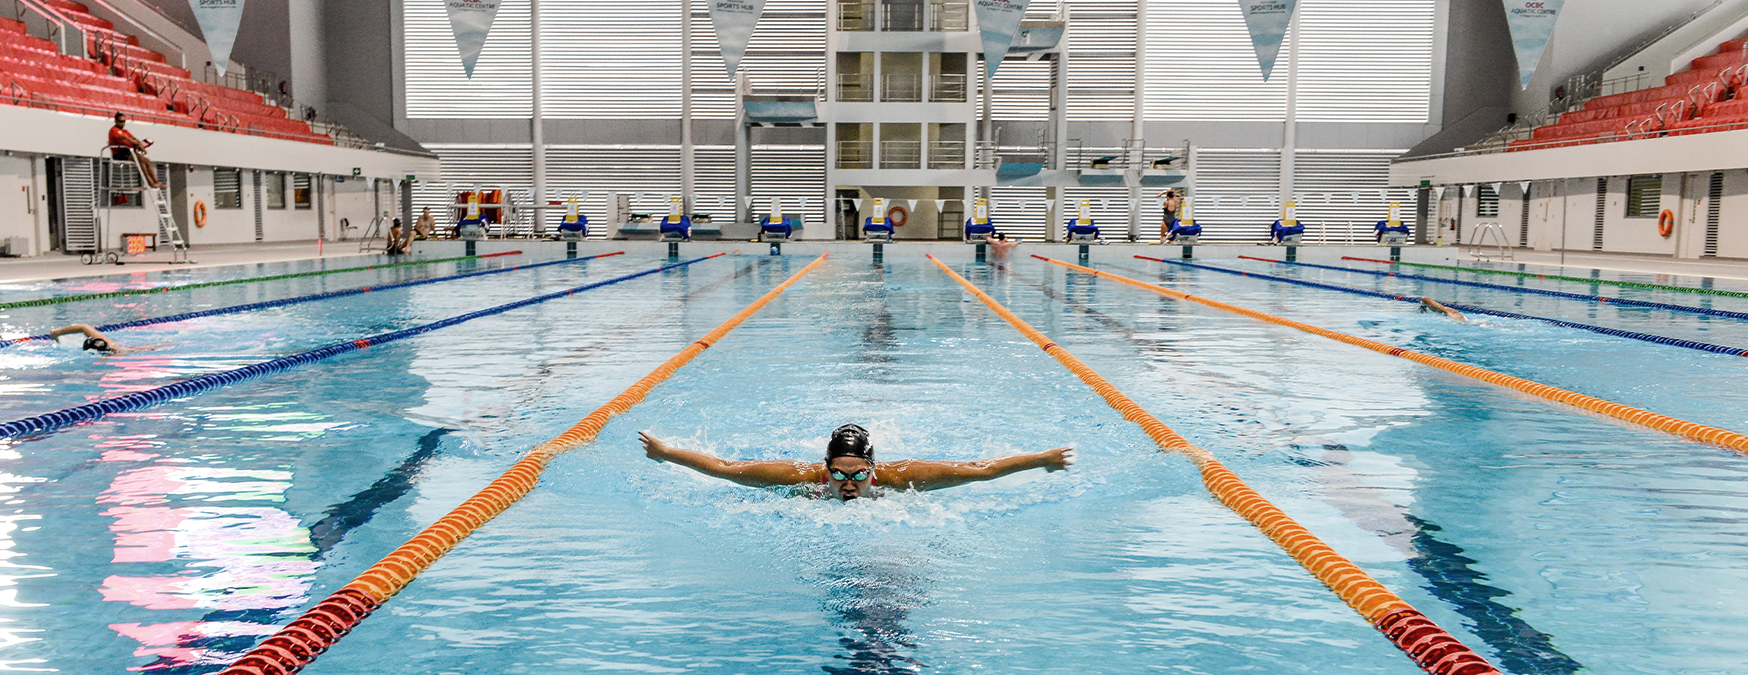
point(1171, 204)
point(849, 470)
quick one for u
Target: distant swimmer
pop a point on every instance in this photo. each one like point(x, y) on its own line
point(1000, 244)
point(94, 340)
point(1431, 305)
point(849, 471)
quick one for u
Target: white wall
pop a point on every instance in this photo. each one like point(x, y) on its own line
point(1733, 217)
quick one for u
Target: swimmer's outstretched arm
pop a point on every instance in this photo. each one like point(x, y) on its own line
point(916, 474)
point(1439, 307)
point(750, 474)
point(78, 328)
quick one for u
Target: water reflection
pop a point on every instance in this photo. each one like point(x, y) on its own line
point(870, 600)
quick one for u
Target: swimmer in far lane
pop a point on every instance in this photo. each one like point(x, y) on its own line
point(1431, 305)
point(849, 470)
point(94, 340)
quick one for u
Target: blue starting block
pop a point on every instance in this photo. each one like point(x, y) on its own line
point(1082, 231)
point(1394, 235)
point(676, 228)
point(1287, 234)
point(877, 230)
point(780, 230)
point(571, 229)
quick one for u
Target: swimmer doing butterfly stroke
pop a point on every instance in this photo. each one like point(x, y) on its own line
point(849, 470)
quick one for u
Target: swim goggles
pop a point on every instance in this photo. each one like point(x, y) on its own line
point(859, 476)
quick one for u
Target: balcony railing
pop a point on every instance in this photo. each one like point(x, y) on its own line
point(856, 16)
point(901, 17)
point(946, 154)
point(948, 88)
point(855, 154)
point(901, 87)
point(949, 17)
point(901, 154)
point(856, 87)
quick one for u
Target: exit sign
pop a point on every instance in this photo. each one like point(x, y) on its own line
point(357, 171)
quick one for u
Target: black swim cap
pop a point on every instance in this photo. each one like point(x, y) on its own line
point(849, 441)
point(97, 343)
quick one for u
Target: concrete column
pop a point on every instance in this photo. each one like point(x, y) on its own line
point(743, 152)
point(687, 155)
point(537, 135)
point(1137, 132)
point(1290, 132)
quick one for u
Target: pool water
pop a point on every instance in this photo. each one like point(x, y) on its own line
point(170, 540)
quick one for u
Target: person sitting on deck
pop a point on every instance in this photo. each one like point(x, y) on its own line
point(426, 226)
point(124, 147)
point(94, 340)
point(849, 470)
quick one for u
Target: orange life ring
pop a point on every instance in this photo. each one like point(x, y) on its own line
point(200, 214)
point(897, 216)
point(1666, 223)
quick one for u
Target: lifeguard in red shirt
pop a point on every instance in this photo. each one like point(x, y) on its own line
point(123, 146)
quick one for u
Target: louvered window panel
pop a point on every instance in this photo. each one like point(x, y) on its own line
point(1342, 194)
point(465, 167)
point(1201, 66)
point(787, 53)
point(1233, 194)
point(611, 60)
point(1365, 61)
point(1361, 61)
point(436, 84)
point(1101, 60)
point(1018, 211)
point(1109, 207)
point(1022, 93)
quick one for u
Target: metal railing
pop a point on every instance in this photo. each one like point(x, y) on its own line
point(855, 154)
point(945, 17)
point(902, 17)
point(948, 88)
point(901, 87)
point(1637, 129)
point(857, 17)
point(901, 154)
point(946, 154)
point(856, 87)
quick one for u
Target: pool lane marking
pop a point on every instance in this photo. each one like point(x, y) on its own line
point(306, 637)
point(150, 397)
point(252, 306)
point(1430, 646)
point(1558, 277)
point(1614, 332)
point(209, 284)
point(1691, 430)
point(1519, 289)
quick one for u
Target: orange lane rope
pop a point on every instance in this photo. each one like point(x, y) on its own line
point(299, 643)
point(1430, 646)
point(1691, 430)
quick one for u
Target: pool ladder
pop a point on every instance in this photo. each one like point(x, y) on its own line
point(1490, 231)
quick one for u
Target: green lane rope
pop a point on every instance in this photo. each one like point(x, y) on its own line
point(208, 284)
point(1584, 280)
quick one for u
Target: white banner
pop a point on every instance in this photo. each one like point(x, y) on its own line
point(218, 25)
point(1532, 25)
point(999, 20)
point(1268, 21)
point(471, 20)
point(734, 21)
point(940, 205)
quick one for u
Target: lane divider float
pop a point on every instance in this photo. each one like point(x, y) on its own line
point(209, 284)
point(1431, 647)
point(150, 397)
point(249, 307)
point(1557, 277)
point(1614, 332)
point(1519, 289)
point(311, 634)
point(1645, 418)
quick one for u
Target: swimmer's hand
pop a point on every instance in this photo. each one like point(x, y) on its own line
point(654, 448)
point(1058, 459)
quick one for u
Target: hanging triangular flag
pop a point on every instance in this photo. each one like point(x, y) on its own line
point(999, 21)
point(1216, 202)
point(910, 205)
point(1104, 204)
point(940, 205)
point(583, 196)
point(1383, 195)
point(1525, 186)
point(1268, 21)
point(218, 26)
point(734, 21)
point(1495, 187)
point(858, 202)
point(1532, 24)
point(1439, 191)
point(749, 201)
point(470, 20)
point(721, 202)
point(1244, 201)
point(1468, 191)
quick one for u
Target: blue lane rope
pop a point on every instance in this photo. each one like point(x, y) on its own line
point(1515, 289)
point(249, 307)
point(1647, 337)
point(142, 399)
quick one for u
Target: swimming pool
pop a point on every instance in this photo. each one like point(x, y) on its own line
point(1548, 539)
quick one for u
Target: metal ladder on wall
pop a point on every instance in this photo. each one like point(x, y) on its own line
point(167, 229)
point(371, 232)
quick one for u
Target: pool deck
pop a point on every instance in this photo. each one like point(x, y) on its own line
point(56, 266)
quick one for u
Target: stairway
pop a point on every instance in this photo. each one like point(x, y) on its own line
point(167, 229)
